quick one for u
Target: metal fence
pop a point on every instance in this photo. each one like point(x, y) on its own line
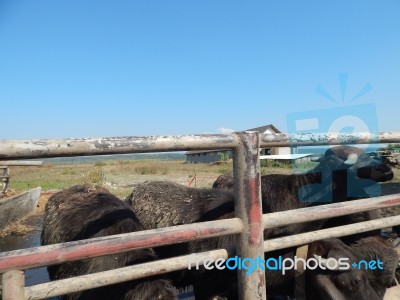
point(249, 223)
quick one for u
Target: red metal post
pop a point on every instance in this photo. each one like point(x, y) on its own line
point(70, 251)
point(248, 208)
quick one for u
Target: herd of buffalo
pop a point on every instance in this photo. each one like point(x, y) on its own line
point(343, 173)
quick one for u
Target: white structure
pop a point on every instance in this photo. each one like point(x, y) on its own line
point(208, 156)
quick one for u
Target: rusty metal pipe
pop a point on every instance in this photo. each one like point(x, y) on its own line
point(13, 285)
point(42, 148)
point(91, 281)
point(246, 166)
point(70, 251)
point(23, 149)
point(332, 138)
point(308, 214)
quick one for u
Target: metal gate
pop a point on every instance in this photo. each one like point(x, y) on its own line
point(249, 222)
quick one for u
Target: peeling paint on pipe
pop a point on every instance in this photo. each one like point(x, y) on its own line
point(23, 149)
point(246, 166)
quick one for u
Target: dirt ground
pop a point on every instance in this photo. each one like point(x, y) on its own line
point(388, 189)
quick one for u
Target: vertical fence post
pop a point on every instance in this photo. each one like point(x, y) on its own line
point(13, 285)
point(246, 169)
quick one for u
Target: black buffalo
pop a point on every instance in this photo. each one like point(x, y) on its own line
point(180, 200)
point(358, 282)
point(326, 282)
point(162, 204)
point(343, 173)
point(159, 204)
point(83, 212)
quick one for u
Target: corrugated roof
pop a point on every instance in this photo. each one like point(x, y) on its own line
point(205, 151)
point(263, 129)
point(284, 156)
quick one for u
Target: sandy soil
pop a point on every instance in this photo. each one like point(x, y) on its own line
point(388, 189)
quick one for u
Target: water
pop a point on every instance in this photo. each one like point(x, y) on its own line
point(29, 240)
point(99, 158)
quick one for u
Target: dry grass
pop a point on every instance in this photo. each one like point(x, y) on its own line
point(120, 177)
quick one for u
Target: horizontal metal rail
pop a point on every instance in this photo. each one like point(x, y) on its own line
point(8, 163)
point(333, 138)
point(85, 282)
point(91, 281)
point(42, 148)
point(59, 253)
point(308, 214)
point(23, 149)
point(339, 231)
point(52, 254)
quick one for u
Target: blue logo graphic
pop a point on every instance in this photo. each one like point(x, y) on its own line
point(344, 117)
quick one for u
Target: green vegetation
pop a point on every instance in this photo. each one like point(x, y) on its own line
point(392, 147)
point(268, 163)
point(225, 156)
point(95, 176)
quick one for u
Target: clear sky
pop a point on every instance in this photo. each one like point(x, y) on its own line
point(166, 67)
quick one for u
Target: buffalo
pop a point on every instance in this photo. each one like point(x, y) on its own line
point(162, 204)
point(343, 173)
point(159, 204)
point(372, 266)
point(83, 212)
point(180, 200)
point(329, 273)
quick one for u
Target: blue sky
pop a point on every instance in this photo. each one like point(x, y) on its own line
point(113, 68)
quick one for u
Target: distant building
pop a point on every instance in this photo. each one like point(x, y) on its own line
point(209, 156)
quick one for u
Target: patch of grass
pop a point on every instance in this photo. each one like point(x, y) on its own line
point(146, 170)
point(268, 163)
point(125, 162)
point(69, 171)
point(95, 176)
point(305, 165)
point(223, 170)
point(151, 169)
point(125, 173)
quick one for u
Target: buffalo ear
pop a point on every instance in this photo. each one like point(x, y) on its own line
point(318, 248)
point(334, 248)
point(351, 160)
point(317, 158)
